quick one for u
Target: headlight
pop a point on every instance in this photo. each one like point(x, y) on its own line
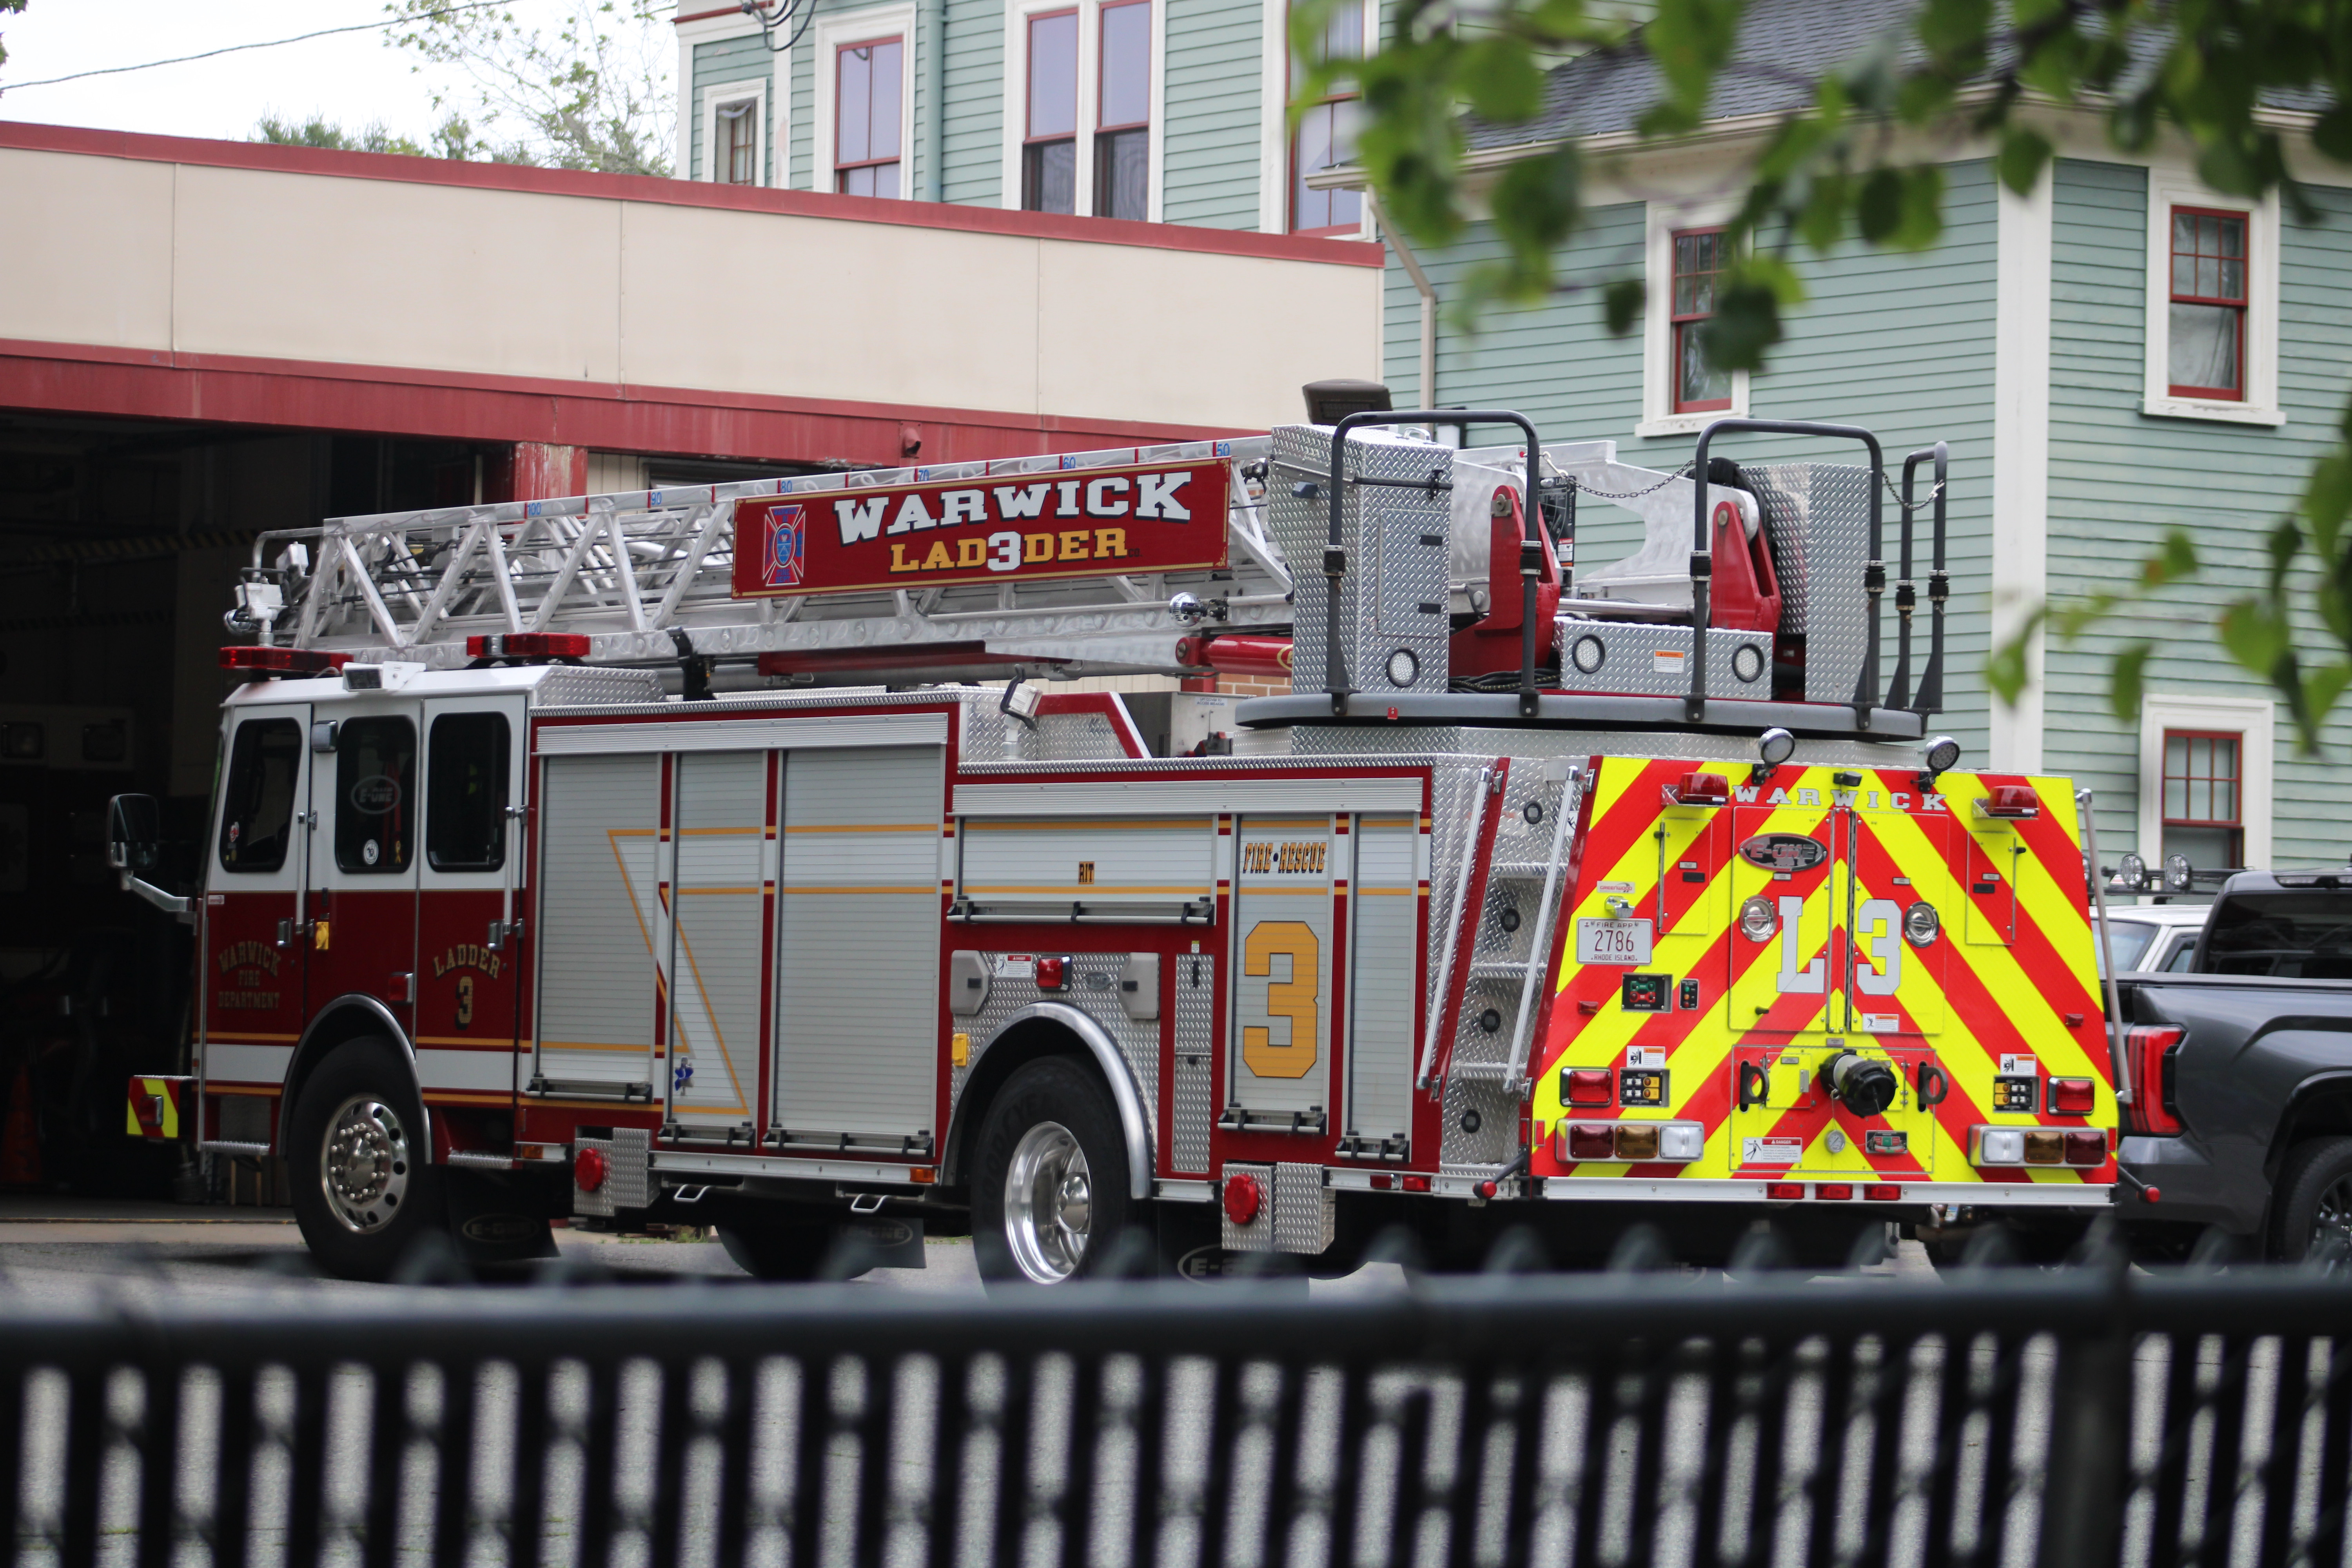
point(1588, 653)
point(1758, 919)
point(1921, 923)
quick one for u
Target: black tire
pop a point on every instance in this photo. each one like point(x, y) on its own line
point(1053, 1116)
point(777, 1249)
point(390, 1195)
point(2312, 1203)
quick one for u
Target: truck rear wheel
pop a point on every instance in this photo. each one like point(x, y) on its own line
point(1049, 1178)
point(362, 1161)
point(2313, 1203)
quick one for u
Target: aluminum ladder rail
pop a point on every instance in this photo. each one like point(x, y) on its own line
point(647, 575)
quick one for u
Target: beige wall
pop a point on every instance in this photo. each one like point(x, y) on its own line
point(190, 258)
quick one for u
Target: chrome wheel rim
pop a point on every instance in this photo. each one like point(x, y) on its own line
point(2330, 1244)
point(364, 1169)
point(1049, 1204)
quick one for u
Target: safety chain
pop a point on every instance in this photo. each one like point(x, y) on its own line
point(1683, 472)
point(1933, 490)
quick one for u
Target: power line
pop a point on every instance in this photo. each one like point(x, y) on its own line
point(6, 88)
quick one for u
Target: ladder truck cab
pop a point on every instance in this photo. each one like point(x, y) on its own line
point(727, 855)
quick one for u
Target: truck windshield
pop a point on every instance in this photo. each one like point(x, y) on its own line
point(2306, 936)
point(2129, 938)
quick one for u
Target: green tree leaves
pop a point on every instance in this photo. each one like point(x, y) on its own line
point(1857, 154)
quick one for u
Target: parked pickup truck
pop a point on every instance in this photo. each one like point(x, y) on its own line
point(2242, 1068)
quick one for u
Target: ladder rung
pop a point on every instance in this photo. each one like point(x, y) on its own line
point(1520, 870)
point(1499, 969)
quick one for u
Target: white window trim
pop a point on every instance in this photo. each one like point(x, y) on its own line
point(1016, 101)
point(1664, 219)
point(717, 96)
point(717, 30)
point(2166, 189)
point(1274, 129)
point(2254, 718)
point(828, 34)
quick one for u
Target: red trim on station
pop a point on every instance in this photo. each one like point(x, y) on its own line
point(199, 153)
point(390, 400)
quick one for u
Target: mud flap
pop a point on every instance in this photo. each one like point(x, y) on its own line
point(880, 1241)
point(491, 1219)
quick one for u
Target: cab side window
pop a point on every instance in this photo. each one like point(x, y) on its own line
point(465, 792)
point(265, 765)
point(375, 796)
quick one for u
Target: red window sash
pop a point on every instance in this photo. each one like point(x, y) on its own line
point(1680, 323)
point(839, 53)
point(1029, 84)
point(2245, 260)
point(2235, 778)
point(1101, 75)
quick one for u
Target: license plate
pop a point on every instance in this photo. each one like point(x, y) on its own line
point(1612, 942)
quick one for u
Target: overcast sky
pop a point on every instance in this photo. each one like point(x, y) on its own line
point(354, 78)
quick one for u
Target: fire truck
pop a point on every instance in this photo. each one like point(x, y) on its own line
point(728, 856)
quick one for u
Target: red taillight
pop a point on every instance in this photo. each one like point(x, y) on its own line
point(2150, 1047)
point(1784, 1191)
point(1836, 1191)
point(282, 660)
point(1052, 974)
point(1589, 1141)
point(588, 1169)
point(2010, 801)
point(1589, 1085)
point(1700, 789)
point(2086, 1148)
point(2072, 1096)
point(528, 645)
point(1883, 1194)
point(1243, 1198)
point(1413, 1184)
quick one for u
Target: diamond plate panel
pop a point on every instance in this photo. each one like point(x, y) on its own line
point(1258, 1234)
point(1196, 989)
point(1819, 516)
point(1094, 991)
point(1627, 658)
point(1388, 743)
point(1481, 1114)
point(579, 686)
point(629, 1172)
point(1304, 1209)
point(1393, 596)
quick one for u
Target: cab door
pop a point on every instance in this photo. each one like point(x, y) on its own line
point(364, 853)
point(469, 977)
point(252, 1008)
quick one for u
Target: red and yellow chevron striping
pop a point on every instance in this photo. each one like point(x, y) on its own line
point(1832, 974)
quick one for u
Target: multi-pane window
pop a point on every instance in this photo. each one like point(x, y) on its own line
point(1123, 112)
point(1049, 148)
point(867, 102)
point(1700, 254)
point(2204, 797)
point(465, 792)
point(2207, 336)
point(738, 143)
point(1327, 135)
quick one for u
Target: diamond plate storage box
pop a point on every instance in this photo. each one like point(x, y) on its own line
point(1295, 1212)
point(1392, 611)
point(1818, 515)
point(1636, 659)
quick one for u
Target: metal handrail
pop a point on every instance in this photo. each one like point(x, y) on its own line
point(1702, 559)
point(1531, 548)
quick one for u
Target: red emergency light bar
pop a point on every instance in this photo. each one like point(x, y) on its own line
point(282, 660)
point(1699, 789)
point(2010, 801)
point(528, 645)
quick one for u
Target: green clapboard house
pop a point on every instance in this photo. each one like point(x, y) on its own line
point(2122, 353)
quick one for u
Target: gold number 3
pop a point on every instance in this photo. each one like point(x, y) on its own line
point(465, 1001)
point(1292, 998)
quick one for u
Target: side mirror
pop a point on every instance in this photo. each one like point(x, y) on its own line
point(134, 833)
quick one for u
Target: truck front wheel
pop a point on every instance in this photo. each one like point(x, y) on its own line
point(1049, 1179)
point(2311, 1205)
point(362, 1161)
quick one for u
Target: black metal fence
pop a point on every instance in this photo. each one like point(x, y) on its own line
point(2070, 1419)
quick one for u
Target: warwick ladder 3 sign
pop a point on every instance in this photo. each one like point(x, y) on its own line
point(1086, 522)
